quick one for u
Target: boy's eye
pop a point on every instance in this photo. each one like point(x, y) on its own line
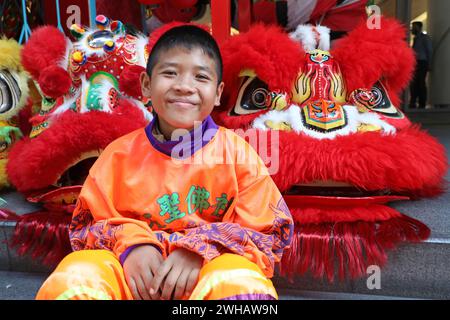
point(169, 72)
point(202, 77)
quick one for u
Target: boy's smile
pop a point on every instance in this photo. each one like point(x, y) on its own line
point(182, 103)
point(183, 88)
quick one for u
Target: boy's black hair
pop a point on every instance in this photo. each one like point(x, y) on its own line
point(189, 37)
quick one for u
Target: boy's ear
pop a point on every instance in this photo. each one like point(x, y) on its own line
point(219, 93)
point(145, 84)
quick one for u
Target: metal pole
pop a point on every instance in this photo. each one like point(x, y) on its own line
point(403, 13)
point(439, 77)
point(58, 17)
point(25, 27)
point(92, 13)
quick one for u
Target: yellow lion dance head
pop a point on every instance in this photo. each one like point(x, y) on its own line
point(14, 93)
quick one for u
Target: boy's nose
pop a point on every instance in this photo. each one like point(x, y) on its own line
point(184, 85)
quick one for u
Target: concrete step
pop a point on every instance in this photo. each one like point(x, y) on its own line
point(9, 259)
point(434, 116)
point(25, 285)
point(415, 271)
point(286, 294)
point(20, 285)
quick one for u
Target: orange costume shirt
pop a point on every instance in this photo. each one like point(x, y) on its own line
point(220, 199)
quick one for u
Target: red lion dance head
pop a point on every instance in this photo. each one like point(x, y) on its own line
point(91, 96)
point(344, 147)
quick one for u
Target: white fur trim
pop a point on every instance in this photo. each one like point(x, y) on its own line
point(306, 36)
point(64, 62)
point(148, 115)
point(324, 41)
point(68, 103)
point(293, 117)
point(103, 93)
point(141, 43)
point(374, 119)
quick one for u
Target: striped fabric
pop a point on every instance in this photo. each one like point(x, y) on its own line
point(98, 275)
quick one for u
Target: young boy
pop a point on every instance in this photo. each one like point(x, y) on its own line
point(152, 223)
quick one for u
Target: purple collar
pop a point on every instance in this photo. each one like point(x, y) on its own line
point(186, 145)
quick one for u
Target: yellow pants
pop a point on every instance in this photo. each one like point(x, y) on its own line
point(98, 275)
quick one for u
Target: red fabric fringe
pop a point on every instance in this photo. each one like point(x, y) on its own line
point(44, 235)
point(6, 214)
point(347, 249)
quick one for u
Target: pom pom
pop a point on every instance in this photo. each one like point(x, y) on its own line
point(129, 81)
point(109, 46)
point(47, 46)
point(78, 57)
point(77, 31)
point(117, 27)
point(54, 81)
point(102, 22)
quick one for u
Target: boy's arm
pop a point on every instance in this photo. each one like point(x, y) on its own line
point(96, 222)
point(257, 226)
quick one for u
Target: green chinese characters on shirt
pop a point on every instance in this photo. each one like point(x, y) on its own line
point(197, 200)
point(169, 205)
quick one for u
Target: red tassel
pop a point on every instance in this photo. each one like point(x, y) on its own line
point(401, 229)
point(44, 235)
point(351, 247)
point(5, 214)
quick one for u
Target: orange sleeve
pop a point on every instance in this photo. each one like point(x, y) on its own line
point(96, 221)
point(258, 224)
point(262, 212)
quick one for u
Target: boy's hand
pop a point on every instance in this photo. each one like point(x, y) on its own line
point(139, 268)
point(179, 272)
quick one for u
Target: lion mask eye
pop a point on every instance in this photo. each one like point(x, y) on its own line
point(10, 92)
point(253, 96)
point(376, 99)
point(98, 39)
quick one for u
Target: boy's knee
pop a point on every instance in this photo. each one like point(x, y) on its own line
point(87, 256)
point(231, 261)
point(231, 276)
point(80, 268)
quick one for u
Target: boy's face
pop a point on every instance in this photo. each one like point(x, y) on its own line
point(183, 88)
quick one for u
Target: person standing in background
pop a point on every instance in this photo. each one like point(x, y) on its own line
point(423, 49)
